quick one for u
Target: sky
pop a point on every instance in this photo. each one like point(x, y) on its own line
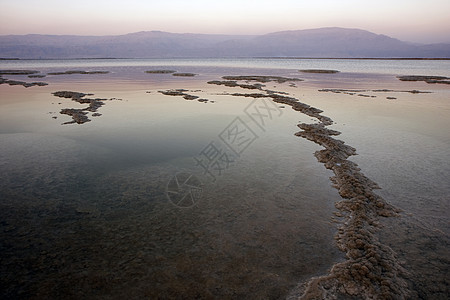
point(409, 20)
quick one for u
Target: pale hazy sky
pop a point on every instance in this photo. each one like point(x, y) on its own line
point(410, 20)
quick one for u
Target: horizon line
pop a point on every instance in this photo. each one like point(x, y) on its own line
point(255, 57)
point(223, 34)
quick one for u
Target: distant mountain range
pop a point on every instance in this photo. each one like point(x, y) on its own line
point(330, 42)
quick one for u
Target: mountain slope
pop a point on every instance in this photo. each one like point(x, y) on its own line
point(322, 42)
point(333, 42)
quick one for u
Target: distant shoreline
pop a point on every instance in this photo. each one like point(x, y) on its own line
point(363, 58)
point(268, 57)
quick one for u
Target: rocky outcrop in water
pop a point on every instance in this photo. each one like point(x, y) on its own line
point(18, 82)
point(371, 270)
point(18, 72)
point(318, 71)
point(263, 79)
point(80, 115)
point(72, 72)
point(184, 74)
point(231, 83)
point(427, 79)
point(22, 83)
point(160, 72)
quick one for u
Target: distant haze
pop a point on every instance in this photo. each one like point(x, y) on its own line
point(322, 42)
point(407, 20)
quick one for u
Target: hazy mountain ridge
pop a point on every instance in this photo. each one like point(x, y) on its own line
point(322, 42)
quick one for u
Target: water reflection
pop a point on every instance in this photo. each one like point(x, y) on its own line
point(85, 211)
point(85, 208)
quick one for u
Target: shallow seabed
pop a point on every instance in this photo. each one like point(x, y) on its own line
point(88, 210)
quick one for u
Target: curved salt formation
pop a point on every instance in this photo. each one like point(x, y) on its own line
point(371, 270)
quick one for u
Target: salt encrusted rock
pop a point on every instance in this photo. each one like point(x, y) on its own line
point(160, 71)
point(184, 74)
point(427, 79)
point(318, 71)
point(71, 72)
point(79, 116)
point(18, 72)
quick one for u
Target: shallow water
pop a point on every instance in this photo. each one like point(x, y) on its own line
point(86, 210)
point(396, 67)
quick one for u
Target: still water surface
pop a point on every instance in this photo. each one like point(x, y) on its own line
point(85, 209)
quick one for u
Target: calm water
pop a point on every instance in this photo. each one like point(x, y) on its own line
point(88, 211)
point(397, 67)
